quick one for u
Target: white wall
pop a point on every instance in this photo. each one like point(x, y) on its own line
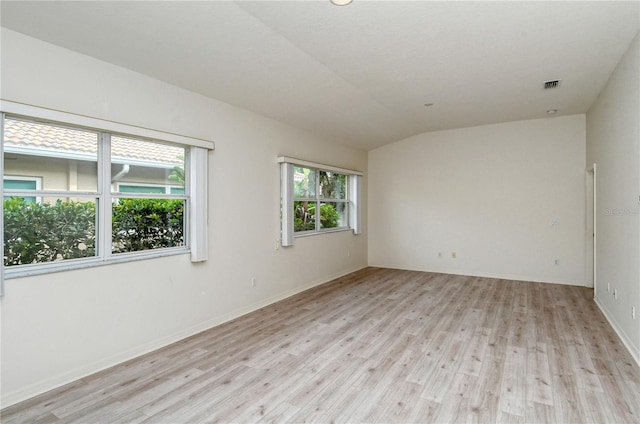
point(509, 199)
point(613, 137)
point(59, 327)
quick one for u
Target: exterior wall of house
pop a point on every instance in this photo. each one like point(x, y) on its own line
point(59, 327)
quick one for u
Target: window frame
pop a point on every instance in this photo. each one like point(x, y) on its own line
point(352, 200)
point(195, 197)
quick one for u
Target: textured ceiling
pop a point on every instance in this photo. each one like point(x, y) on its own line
point(358, 74)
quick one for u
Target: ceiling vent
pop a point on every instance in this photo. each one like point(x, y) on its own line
point(551, 84)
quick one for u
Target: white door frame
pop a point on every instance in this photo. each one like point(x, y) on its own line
point(591, 225)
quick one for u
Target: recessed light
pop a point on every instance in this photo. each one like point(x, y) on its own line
point(552, 111)
point(341, 2)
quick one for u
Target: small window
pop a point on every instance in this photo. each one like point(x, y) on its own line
point(320, 200)
point(317, 199)
point(13, 182)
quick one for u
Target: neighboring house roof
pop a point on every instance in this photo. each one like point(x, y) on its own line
point(38, 139)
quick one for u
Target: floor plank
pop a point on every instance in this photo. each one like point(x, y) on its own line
point(377, 345)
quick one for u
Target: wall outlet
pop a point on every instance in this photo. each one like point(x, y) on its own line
point(556, 262)
point(615, 294)
point(454, 255)
point(253, 281)
point(277, 244)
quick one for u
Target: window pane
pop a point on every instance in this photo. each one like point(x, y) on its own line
point(177, 190)
point(144, 224)
point(304, 183)
point(52, 230)
point(333, 215)
point(304, 215)
point(146, 163)
point(65, 159)
point(123, 188)
point(332, 185)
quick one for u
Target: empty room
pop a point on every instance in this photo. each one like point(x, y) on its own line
point(321, 211)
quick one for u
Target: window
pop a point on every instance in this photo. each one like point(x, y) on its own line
point(13, 182)
point(97, 196)
point(317, 198)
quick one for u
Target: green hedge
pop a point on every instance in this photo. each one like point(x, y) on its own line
point(46, 232)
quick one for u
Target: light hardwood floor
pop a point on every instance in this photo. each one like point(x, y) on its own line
point(378, 345)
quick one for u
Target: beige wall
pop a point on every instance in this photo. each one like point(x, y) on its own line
point(508, 199)
point(58, 327)
point(613, 144)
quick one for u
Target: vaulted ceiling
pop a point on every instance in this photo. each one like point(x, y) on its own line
point(358, 74)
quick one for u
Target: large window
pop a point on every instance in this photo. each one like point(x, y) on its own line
point(75, 196)
point(317, 199)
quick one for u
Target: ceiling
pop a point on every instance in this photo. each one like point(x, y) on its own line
point(359, 74)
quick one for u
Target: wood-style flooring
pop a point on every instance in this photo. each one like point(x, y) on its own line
point(378, 345)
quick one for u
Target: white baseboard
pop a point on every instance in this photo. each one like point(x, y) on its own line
point(633, 349)
point(44, 386)
point(501, 276)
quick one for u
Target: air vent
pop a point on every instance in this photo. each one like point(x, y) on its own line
point(551, 84)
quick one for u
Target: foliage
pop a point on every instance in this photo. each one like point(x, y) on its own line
point(305, 216)
point(143, 224)
point(46, 232)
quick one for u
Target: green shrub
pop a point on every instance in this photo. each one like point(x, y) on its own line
point(143, 224)
point(46, 232)
point(304, 216)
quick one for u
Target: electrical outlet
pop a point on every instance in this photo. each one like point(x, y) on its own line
point(277, 244)
point(556, 262)
point(615, 294)
point(454, 255)
point(253, 281)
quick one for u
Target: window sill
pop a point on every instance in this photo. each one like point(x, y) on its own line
point(315, 233)
point(72, 264)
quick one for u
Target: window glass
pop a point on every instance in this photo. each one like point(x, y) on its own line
point(65, 158)
point(333, 215)
point(143, 162)
point(304, 183)
point(332, 185)
point(304, 216)
point(311, 209)
point(52, 230)
point(145, 224)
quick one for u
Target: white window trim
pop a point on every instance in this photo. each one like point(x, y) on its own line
point(287, 198)
point(196, 229)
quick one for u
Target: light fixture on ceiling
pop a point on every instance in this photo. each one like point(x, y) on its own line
point(341, 2)
point(552, 111)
